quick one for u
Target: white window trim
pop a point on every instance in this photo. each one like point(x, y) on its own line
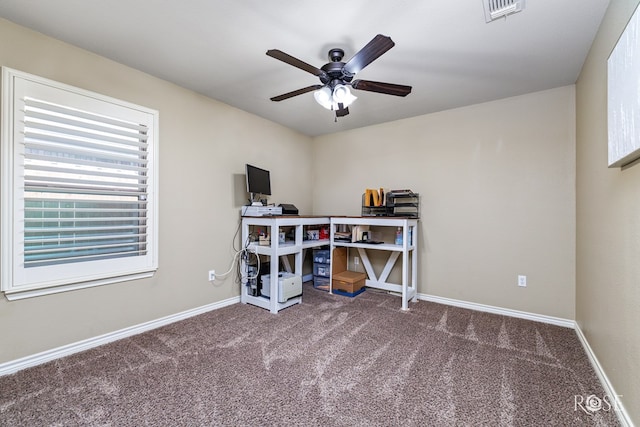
point(8, 193)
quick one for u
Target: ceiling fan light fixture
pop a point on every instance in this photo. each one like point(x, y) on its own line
point(324, 97)
point(342, 95)
point(330, 98)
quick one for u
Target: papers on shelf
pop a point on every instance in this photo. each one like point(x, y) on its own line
point(342, 236)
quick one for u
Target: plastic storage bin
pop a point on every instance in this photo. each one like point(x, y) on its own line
point(321, 283)
point(322, 270)
point(322, 256)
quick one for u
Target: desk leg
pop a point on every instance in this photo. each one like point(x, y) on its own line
point(243, 266)
point(273, 295)
point(414, 273)
point(405, 278)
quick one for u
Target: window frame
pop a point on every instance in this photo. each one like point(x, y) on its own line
point(19, 281)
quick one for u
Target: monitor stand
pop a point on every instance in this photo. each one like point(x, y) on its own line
point(256, 204)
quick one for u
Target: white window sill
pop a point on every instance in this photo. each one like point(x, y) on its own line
point(18, 294)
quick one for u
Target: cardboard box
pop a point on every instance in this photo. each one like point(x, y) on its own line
point(349, 281)
point(338, 260)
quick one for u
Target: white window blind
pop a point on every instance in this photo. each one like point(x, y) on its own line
point(83, 188)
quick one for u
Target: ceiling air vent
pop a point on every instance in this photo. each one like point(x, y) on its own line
point(494, 9)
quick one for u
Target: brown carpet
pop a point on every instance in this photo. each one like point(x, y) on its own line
point(331, 361)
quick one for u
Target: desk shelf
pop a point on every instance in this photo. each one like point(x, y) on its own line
point(373, 247)
point(308, 244)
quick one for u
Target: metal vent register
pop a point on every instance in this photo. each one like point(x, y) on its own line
point(494, 9)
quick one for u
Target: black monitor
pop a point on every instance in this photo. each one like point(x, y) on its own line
point(258, 181)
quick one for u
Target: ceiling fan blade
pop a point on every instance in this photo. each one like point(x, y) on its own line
point(278, 54)
point(296, 93)
point(386, 88)
point(365, 56)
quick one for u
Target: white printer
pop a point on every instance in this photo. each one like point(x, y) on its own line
point(289, 286)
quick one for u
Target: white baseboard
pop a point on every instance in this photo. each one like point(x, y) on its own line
point(621, 412)
point(66, 350)
point(499, 310)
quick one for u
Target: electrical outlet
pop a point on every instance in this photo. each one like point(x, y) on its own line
point(356, 260)
point(522, 281)
point(212, 275)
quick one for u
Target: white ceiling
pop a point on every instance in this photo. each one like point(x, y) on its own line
point(444, 49)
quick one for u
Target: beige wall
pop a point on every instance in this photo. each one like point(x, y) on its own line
point(608, 226)
point(497, 189)
point(204, 145)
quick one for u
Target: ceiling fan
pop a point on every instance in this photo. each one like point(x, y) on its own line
point(336, 76)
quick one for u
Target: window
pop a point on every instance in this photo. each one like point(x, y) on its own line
point(79, 196)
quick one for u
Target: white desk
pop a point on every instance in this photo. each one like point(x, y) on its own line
point(297, 247)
